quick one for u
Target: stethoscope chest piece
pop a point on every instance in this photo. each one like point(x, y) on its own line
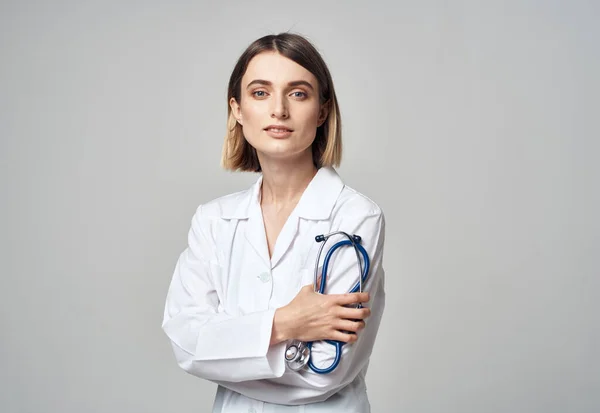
point(297, 355)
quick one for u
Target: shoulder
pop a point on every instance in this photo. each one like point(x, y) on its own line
point(222, 206)
point(207, 220)
point(355, 212)
point(354, 203)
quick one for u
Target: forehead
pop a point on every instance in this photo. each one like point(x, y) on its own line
point(275, 68)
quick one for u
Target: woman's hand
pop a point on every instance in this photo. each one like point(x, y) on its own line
point(311, 316)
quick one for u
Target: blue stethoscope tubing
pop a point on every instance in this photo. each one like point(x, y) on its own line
point(354, 241)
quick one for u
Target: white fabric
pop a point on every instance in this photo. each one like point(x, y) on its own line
point(225, 289)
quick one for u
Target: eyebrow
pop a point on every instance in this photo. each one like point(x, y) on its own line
point(293, 83)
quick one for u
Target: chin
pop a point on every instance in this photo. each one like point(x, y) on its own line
point(278, 147)
point(285, 154)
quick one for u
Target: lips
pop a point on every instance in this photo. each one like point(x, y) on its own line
point(278, 129)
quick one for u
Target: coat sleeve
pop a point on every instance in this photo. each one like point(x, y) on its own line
point(342, 274)
point(207, 341)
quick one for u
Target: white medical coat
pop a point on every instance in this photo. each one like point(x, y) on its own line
point(225, 290)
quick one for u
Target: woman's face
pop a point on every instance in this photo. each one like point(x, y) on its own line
point(279, 107)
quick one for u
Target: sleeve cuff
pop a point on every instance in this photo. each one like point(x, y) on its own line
point(246, 340)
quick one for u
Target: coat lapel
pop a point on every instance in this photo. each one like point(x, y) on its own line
point(285, 239)
point(255, 232)
point(316, 204)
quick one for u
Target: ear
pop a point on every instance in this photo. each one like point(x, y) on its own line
point(236, 110)
point(323, 112)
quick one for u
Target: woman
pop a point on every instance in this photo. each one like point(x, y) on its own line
point(243, 288)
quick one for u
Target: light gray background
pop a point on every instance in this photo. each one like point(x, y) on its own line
point(473, 124)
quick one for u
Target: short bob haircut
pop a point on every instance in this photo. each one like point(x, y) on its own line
point(238, 154)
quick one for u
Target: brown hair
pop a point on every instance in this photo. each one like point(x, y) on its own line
point(238, 154)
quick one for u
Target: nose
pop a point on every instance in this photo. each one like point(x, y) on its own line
point(279, 109)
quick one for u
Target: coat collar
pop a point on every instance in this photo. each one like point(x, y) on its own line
point(316, 202)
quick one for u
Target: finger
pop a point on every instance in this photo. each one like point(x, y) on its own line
point(353, 313)
point(308, 287)
point(343, 337)
point(351, 298)
point(312, 286)
point(350, 325)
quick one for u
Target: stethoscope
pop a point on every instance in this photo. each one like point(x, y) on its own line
point(297, 353)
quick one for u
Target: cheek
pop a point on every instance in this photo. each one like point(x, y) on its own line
point(310, 118)
point(250, 111)
point(253, 120)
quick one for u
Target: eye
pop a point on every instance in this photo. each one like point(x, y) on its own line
point(299, 94)
point(259, 93)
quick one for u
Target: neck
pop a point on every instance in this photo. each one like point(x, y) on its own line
point(284, 182)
